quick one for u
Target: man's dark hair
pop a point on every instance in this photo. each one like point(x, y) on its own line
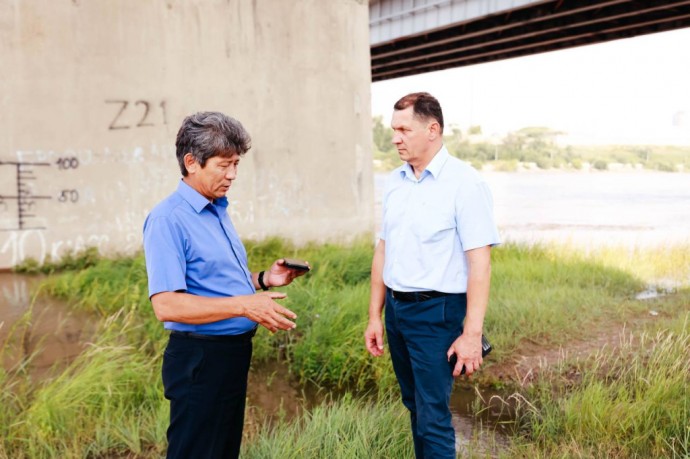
point(209, 134)
point(424, 106)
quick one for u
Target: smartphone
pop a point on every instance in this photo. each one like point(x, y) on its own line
point(296, 264)
point(486, 348)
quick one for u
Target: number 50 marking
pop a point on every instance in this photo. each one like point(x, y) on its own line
point(68, 196)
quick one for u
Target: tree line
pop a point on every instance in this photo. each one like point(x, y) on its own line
point(535, 147)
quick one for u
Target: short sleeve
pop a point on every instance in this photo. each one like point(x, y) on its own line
point(475, 217)
point(165, 256)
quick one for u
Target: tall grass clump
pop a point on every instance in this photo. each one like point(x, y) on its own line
point(633, 401)
point(350, 428)
point(13, 396)
point(107, 401)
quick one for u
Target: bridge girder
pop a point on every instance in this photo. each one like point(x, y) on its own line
point(530, 29)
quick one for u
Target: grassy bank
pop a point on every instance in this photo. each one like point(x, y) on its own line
point(631, 401)
point(110, 400)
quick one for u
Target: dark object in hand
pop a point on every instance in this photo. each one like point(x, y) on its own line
point(296, 264)
point(486, 348)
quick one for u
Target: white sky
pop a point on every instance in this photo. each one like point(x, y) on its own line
point(626, 91)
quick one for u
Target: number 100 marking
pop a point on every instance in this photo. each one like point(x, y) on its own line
point(67, 163)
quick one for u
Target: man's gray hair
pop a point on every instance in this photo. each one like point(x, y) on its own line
point(209, 134)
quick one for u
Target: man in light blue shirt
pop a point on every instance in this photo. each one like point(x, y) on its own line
point(431, 270)
point(201, 288)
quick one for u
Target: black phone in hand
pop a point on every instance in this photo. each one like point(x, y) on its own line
point(296, 264)
point(486, 348)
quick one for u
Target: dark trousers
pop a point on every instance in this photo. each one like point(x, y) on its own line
point(206, 383)
point(419, 335)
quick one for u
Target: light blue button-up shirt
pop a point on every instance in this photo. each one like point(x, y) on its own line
point(190, 245)
point(429, 223)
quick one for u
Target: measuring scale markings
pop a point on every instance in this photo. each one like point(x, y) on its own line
point(26, 200)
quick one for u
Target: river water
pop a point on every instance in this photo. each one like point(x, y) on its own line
point(631, 208)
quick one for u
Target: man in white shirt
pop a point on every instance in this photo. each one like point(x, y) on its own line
point(431, 270)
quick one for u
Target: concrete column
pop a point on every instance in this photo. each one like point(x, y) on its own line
point(92, 94)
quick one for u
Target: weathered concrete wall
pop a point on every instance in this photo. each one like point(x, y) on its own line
point(92, 94)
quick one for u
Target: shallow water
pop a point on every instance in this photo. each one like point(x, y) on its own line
point(38, 330)
point(273, 392)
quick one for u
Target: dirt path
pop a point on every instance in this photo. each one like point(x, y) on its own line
point(532, 357)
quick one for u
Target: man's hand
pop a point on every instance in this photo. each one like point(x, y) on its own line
point(280, 275)
point(262, 309)
point(373, 338)
point(468, 350)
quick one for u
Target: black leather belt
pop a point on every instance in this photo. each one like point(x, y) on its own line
point(189, 335)
point(415, 297)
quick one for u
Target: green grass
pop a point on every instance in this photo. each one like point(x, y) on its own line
point(632, 401)
point(331, 302)
point(549, 297)
point(544, 296)
point(346, 429)
point(663, 265)
point(109, 401)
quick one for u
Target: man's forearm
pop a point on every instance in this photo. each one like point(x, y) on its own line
point(478, 285)
point(378, 288)
point(193, 309)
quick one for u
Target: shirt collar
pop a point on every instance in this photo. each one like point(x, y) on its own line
point(438, 162)
point(433, 168)
point(196, 199)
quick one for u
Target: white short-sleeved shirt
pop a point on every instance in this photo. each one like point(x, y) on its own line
point(429, 223)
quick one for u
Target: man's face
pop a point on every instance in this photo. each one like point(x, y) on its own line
point(215, 178)
point(410, 135)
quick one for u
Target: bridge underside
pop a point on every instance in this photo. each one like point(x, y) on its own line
point(540, 27)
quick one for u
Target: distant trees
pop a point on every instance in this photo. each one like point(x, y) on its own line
point(385, 153)
point(533, 147)
point(383, 136)
point(529, 145)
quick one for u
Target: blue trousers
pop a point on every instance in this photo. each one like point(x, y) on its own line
point(419, 335)
point(206, 383)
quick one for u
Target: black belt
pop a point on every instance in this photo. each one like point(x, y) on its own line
point(415, 297)
point(241, 337)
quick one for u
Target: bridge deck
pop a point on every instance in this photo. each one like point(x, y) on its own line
point(427, 35)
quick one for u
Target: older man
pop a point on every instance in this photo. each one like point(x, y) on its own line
point(431, 269)
point(201, 288)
